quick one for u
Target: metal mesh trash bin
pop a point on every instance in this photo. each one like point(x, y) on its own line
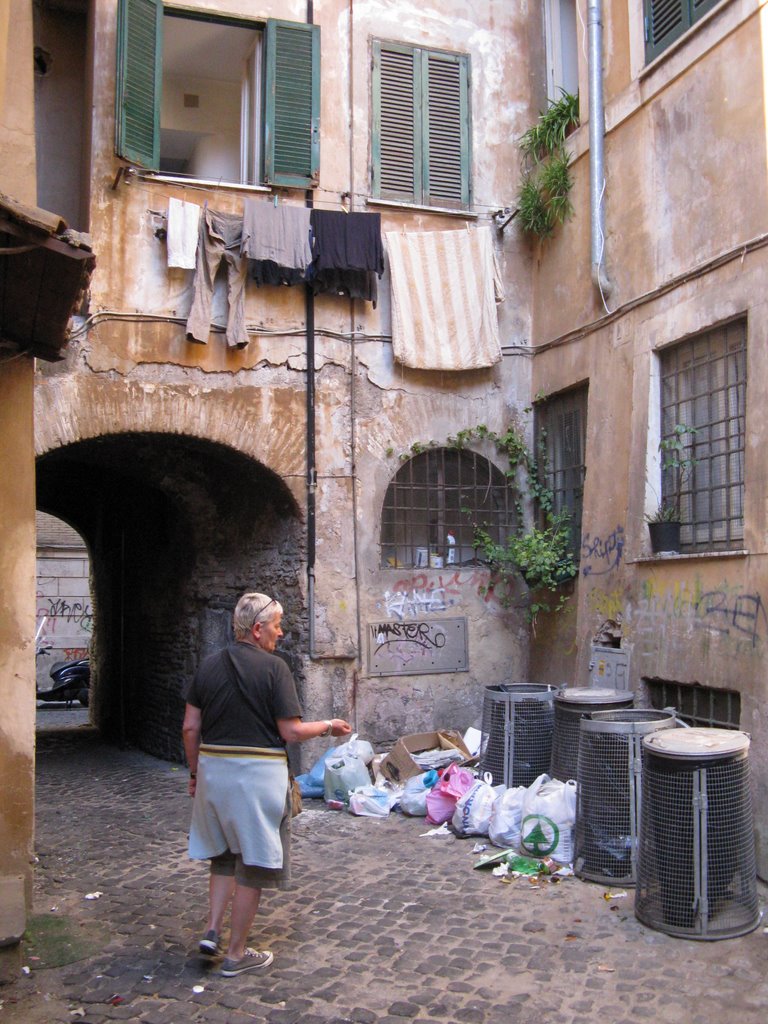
point(516, 741)
point(570, 707)
point(609, 791)
point(696, 865)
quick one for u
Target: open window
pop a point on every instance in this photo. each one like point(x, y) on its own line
point(560, 33)
point(218, 99)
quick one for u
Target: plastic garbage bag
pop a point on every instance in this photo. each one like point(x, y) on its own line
point(413, 799)
point(343, 775)
point(371, 801)
point(506, 817)
point(354, 747)
point(312, 783)
point(472, 815)
point(441, 799)
point(549, 815)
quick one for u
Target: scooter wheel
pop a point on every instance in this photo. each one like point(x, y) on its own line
point(83, 698)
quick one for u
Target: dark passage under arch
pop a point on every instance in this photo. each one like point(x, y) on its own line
point(177, 528)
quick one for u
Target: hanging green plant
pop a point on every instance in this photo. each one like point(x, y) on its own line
point(543, 198)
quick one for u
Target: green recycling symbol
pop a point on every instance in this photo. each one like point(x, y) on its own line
point(543, 836)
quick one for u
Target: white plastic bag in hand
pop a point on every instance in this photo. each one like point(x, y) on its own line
point(354, 747)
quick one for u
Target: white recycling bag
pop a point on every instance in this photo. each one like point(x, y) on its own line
point(506, 818)
point(548, 819)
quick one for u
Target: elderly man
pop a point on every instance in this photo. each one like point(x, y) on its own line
point(242, 709)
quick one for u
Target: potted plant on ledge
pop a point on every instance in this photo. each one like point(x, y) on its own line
point(665, 522)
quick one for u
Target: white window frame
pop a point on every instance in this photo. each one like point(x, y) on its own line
point(556, 48)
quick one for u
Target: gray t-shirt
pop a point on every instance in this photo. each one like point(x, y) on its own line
point(228, 717)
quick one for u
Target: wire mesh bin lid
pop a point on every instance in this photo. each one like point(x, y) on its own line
point(699, 744)
point(594, 695)
point(628, 721)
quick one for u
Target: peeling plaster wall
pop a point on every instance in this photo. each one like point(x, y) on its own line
point(133, 370)
point(686, 184)
point(17, 515)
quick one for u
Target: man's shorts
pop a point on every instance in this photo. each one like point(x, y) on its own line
point(252, 876)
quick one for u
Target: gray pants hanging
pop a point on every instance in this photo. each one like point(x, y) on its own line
point(220, 237)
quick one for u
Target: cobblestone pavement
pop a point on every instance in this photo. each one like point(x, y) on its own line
point(382, 925)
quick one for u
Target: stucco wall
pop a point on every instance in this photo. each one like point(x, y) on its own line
point(17, 507)
point(17, 630)
point(686, 190)
point(133, 370)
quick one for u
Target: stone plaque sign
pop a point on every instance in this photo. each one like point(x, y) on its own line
point(417, 647)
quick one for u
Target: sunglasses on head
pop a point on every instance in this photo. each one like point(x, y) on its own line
point(262, 610)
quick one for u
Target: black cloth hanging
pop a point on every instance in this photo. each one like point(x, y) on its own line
point(347, 241)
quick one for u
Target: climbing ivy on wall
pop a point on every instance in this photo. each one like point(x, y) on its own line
point(539, 554)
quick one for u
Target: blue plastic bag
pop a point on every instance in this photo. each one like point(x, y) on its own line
point(312, 783)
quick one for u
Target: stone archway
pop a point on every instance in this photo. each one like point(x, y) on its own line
point(177, 527)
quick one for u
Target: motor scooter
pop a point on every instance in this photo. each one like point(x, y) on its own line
point(71, 680)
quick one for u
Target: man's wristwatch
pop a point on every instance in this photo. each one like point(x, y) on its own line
point(328, 728)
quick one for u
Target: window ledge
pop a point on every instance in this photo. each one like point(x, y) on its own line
point(180, 179)
point(399, 204)
point(687, 556)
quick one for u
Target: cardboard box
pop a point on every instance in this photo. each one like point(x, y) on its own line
point(399, 765)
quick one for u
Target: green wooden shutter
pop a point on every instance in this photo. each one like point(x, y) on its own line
point(292, 104)
point(139, 68)
point(666, 20)
point(446, 130)
point(397, 133)
point(700, 7)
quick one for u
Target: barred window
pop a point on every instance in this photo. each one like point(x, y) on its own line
point(433, 504)
point(697, 705)
point(561, 429)
point(703, 385)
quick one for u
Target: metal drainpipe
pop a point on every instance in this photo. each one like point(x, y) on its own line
point(596, 147)
point(353, 376)
point(310, 436)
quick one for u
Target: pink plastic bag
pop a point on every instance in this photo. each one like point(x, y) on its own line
point(441, 799)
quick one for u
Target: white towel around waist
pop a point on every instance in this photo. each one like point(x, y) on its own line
point(239, 803)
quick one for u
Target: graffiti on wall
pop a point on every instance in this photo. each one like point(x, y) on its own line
point(75, 653)
point(419, 646)
point(59, 609)
point(422, 594)
point(724, 610)
point(601, 555)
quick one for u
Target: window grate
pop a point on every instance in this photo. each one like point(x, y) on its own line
point(561, 425)
point(703, 385)
point(433, 504)
point(697, 705)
